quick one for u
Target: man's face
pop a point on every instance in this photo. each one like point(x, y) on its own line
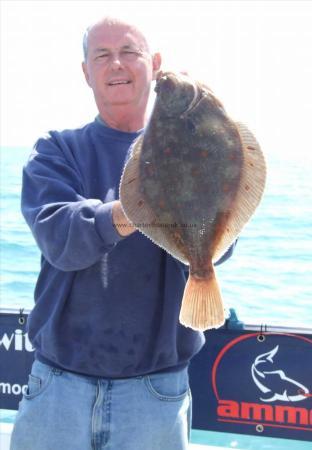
point(119, 68)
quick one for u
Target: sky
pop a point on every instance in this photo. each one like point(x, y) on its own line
point(255, 55)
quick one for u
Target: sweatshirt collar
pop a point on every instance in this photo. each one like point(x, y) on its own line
point(102, 122)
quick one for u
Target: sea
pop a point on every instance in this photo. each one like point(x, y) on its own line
point(267, 281)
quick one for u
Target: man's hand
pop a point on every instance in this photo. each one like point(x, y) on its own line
point(121, 223)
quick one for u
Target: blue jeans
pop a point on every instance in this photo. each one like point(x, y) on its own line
point(65, 411)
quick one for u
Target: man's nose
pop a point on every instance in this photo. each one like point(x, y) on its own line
point(116, 61)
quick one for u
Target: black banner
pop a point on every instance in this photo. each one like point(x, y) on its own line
point(257, 383)
point(16, 357)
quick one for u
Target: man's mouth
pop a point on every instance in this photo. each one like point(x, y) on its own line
point(117, 82)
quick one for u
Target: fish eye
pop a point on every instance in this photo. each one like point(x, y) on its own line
point(190, 126)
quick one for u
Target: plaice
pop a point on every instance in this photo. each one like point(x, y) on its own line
point(194, 179)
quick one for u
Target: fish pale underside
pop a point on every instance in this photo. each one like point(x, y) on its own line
point(192, 182)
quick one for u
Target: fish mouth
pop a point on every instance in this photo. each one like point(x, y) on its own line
point(168, 82)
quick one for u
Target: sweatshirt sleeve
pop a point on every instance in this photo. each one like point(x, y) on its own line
point(72, 231)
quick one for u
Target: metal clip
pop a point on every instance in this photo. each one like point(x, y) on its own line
point(259, 428)
point(261, 336)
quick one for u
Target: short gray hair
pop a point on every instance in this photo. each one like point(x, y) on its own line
point(85, 44)
point(110, 20)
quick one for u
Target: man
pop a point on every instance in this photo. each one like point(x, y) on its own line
point(111, 357)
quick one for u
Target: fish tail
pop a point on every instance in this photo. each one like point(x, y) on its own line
point(202, 306)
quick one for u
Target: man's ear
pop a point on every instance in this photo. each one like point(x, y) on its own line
point(85, 71)
point(156, 64)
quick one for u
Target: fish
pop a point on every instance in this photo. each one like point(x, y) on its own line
point(275, 383)
point(193, 180)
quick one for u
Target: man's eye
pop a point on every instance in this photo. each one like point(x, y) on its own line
point(130, 53)
point(191, 127)
point(102, 55)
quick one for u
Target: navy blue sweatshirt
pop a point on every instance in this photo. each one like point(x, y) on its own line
point(105, 306)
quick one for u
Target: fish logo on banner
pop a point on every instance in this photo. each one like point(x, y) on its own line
point(262, 387)
point(289, 390)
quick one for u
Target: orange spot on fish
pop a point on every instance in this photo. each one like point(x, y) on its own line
point(226, 187)
point(232, 156)
point(204, 153)
point(194, 172)
point(161, 204)
point(167, 151)
point(177, 235)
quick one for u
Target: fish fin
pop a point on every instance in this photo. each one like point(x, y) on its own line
point(250, 190)
point(136, 207)
point(202, 306)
